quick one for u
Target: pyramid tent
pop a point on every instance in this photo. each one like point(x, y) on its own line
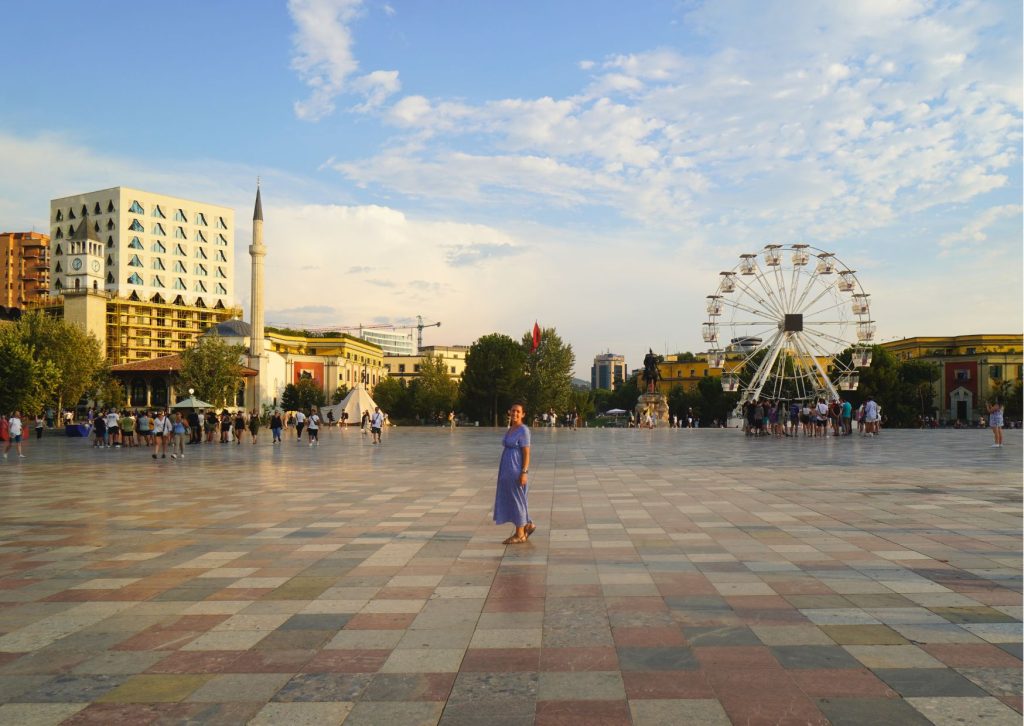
point(357, 401)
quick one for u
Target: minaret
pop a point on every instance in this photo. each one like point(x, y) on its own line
point(257, 251)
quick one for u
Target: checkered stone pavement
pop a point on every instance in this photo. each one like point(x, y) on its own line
point(689, 577)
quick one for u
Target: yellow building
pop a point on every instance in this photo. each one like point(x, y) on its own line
point(130, 329)
point(288, 357)
point(973, 369)
point(675, 372)
point(407, 367)
point(24, 268)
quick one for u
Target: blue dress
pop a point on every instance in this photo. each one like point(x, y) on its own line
point(510, 498)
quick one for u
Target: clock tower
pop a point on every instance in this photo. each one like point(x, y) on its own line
point(83, 264)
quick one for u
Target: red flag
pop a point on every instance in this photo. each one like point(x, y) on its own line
point(536, 337)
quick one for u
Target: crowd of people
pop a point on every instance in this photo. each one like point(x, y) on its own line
point(816, 418)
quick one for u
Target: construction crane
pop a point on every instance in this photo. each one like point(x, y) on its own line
point(418, 327)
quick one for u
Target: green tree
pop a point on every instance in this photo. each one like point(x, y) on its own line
point(339, 394)
point(435, 392)
point(213, 369)
point(73, 356)
point(111, 394)
point(290, 398)
point(548, 372)
point(309, 393)
point(394, 397)
point(583, 402)
point(493, 377)
point(26, 383)
point(626, 394)
point(1012, 404)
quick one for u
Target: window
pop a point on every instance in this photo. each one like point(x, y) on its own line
point(401, 367)
point(200, 270)
point(220, 223)
point(157, 212)
point(222, 240)
point(157, 282)
point(96, 208)
point(110, 206)
point(110, 261)
point(158, 229)
point(200, 286)
point(85, 210)
point(220, 273)
point(158, 264)
point(60, 234)
point(179, 284)
point(58, 251)
point(136, 208)
point(995, 372)
point(136, 226)
point(200, 237)
point(58, 268)
point(962, 374)
point(110, 242)
point(179, 216)
point(200, 253)
point(110, 224)
point(416, 368)
point(135, 279)
point(135, 261)
point(135, 244)
point(220, 289)
point(110, 278)
point(221, 257)
point(158, 246)
point(71, 213)
point(59, 217)
point(178, 267)
point(971, 351)
point(180, 251)
point(201, 219)
point(179, 233)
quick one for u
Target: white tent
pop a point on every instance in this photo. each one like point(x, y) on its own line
point(357, 401)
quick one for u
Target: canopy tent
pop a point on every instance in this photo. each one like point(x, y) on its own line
point(614, 412)
point(192, 402)
point(357, 401)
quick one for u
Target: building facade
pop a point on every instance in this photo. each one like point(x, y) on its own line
point(24, 268)
point(143, 246)
point(608, 371)
point(392, 342)
point(407, 367)
point(973, 369)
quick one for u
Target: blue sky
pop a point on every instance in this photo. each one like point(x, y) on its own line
point(589, 165)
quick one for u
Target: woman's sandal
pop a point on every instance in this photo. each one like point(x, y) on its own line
point(514, 540)
point(530, 529)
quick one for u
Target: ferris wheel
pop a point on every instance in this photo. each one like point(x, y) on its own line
point(779, 320)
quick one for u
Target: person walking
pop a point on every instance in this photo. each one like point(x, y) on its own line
point(451, 420)
point(178, 429)
point(313, 427)
point(512, 490)
point(161, 429)
point(14, 434)
point(376, 424)
point(300, 422)
point(254, 425)
point(40, 425)
point(239, 428)
point(995, 422)
point(871, 415)
point(276, 424)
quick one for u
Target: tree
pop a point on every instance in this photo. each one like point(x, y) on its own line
point(548, 372)
point(111, 394)
point(394, 397)
point(583, 402)
point(339, 394)
point(213, 369)
point(434, 393)
point(310, 393)
point(26, 384)
point(290, 398)
point(626, 394)
point(73, 357)
point(493, 377)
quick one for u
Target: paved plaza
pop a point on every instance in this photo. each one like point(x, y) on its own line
point(676, 577)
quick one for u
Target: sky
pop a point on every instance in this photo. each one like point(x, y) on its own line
point(589, 166)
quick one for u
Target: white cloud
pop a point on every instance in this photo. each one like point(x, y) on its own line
point(975, 232)
point(324, 60)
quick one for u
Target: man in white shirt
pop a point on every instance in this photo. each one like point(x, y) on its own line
point(313, 427)
point(376, 424)
point(161, 428)
point(14, 432)
point(871, 416)
point(300, 421)
point(113, 428)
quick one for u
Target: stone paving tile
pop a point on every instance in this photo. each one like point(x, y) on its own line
point(667, 583)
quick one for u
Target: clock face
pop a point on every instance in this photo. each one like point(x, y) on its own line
point(76, 264)
point(95, 266)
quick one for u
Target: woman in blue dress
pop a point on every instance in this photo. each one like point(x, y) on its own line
point(510, 498)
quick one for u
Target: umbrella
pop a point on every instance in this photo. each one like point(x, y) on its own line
point(614, 412)
point(192, 402)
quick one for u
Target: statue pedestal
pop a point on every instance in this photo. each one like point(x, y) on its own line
point(657, 404)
